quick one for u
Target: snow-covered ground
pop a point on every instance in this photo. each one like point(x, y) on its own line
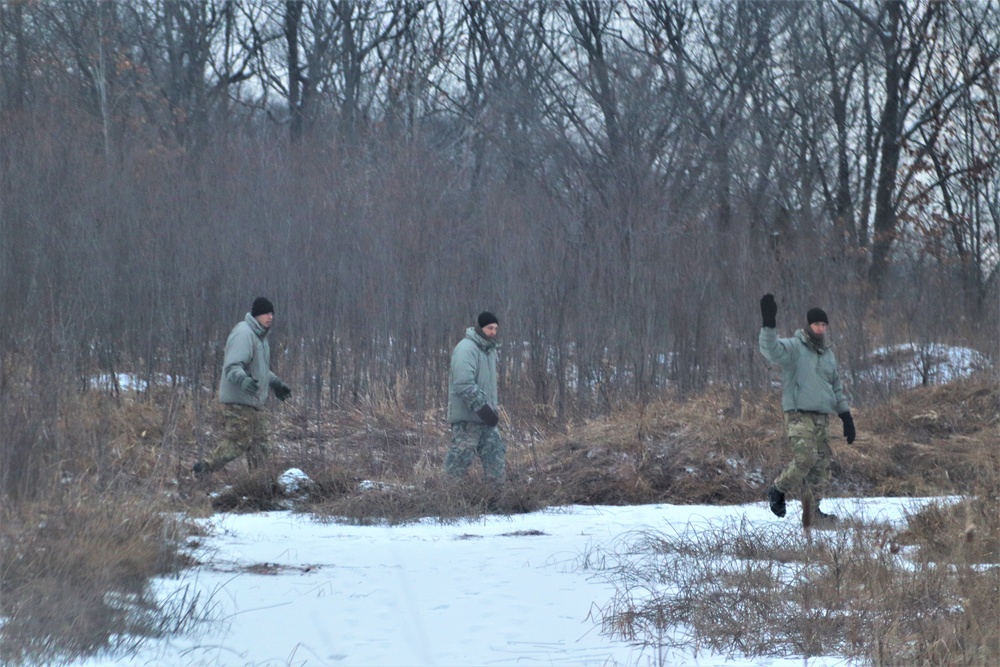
point(281, 588)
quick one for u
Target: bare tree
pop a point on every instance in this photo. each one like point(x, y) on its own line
point(951, 215)
point(14, 49)
point(619, 179)
point(914, 92)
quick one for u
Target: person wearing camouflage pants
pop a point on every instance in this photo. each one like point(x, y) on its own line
point(472, 403)
point(244, 432)
point(811, 392)
point(243, 390)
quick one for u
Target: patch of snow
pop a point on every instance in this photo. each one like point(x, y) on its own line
point(127, 381)
point(369, 485)
point(909, 365)
point(221, 492)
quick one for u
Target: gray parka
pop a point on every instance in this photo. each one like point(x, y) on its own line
point(473, 381)
point(810, 379)
point(247, 353)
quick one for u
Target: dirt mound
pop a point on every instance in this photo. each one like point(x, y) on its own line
point(939, 440)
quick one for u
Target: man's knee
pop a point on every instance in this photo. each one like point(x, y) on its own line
point(493, 454)
point(460, 450)
point(457, 461)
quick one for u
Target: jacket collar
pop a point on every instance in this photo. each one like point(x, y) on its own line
point(255, 326)
point(485, 344)
point(807, 340)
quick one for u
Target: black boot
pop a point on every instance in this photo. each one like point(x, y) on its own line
point(777, 500)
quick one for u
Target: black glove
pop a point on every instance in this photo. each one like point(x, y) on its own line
point(282, 390)
point(769, 311)
point(249, 385)
point(848, 420)
point(488, 415)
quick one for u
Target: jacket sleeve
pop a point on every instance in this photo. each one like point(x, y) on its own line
point(838, 392)
point(781, 351)
point(463, 379)
point(239, 353)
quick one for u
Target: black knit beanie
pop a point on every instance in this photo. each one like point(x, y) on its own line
point(816, 315)
point(261, 306)
point(487, 318)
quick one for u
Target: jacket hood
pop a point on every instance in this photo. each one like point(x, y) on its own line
point(485, 344)
point(255, 325)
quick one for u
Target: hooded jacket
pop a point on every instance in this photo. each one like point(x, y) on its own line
point(247, 353)
point(810, 379)
point(473, 379)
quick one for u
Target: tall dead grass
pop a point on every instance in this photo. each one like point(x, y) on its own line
point(85, 519)
point(75, 575)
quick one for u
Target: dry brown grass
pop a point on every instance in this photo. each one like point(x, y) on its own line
point(438, 498)
point(75, 575)
point(692, 451)
point(929, 440)
point(86, 522)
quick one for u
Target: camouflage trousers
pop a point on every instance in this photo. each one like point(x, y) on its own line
point(808, 473)
point(244, 431)
point(471, 439)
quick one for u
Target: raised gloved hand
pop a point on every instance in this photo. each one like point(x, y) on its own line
point(848, 420)
point(282, 390)
point(249, 385)
point(769, 311)
point(488, 415)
